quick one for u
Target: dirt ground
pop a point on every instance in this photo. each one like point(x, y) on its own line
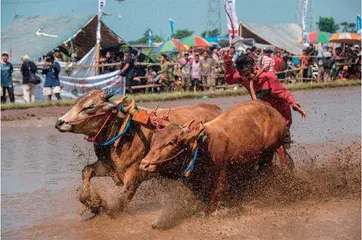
point(320, 200)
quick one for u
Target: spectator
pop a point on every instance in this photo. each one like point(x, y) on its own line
point(52, 84)
point(151, 76)
point(267, 62)
point(127, 69)
point(117, 60)
point(325, 64)
point(27, 68)
point(252, 52)
point(200, 50)
point(6, 78)
point(165, 75)
point(306, 64)
point(207, 71)
point(196, 73)
point(185, 71)
point(108, 60)
point(58, 55)
point(278, 64)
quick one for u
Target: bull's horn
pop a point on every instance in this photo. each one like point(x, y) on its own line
point(187, 125)
point(120, 101)
point(108, 96)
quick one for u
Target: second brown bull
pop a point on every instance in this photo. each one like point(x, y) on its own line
point(212, 155)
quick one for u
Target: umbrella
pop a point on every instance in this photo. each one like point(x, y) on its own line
point(195, 41)
point(317, 37)
point(345, 37)
point(170, 46)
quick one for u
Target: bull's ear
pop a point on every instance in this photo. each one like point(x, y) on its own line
point(108, 96)
point(194, 134)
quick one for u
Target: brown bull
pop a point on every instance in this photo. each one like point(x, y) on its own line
point(121, 159)
point(227, 147)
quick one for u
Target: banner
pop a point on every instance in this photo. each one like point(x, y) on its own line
point(359, 23)
point(150, 38)
point(305, 40)
point(112, 82)
point(101, 6)
point(231, 17)
point(172, 29)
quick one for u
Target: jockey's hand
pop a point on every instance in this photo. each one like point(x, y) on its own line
point(298, 108)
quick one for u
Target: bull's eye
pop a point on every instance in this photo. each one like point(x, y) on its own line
point(172, 142)
point(91, 107)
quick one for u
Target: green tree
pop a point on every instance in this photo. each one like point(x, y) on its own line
point(181, 33)
point(352, 27)
point(144, 38)
point(344, 25)
point(213, 33)
point(327, 24)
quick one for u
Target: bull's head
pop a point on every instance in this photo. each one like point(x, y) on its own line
point(167, 144)
point(90, 104)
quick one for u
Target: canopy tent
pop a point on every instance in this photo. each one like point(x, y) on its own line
point(277, 35)
point(37, 35)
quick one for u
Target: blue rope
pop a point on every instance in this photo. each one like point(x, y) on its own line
point(191, 166)
point(109, 142)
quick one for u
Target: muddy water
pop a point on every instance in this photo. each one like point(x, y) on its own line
point(41, 173)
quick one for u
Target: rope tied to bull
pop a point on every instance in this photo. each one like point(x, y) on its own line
point(195, 149)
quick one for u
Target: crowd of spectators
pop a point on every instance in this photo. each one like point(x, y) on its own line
point(194, 70)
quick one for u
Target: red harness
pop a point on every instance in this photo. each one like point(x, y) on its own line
point(93, 139)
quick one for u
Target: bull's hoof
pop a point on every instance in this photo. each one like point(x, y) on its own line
point(95, 204)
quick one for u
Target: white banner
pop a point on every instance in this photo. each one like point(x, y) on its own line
point(111, 82)
point(231, 17)
point(305, 40)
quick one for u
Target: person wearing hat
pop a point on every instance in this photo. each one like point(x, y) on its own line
point(51, 71)
point(267, 62)
point(6, 78)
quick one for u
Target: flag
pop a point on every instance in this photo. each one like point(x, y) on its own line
point(305, 40)
point(359, 23)
point(150, 38)
point(231, 17)
point(172, 29)
point(102, 4)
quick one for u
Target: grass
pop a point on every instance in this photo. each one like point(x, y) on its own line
point(190, 95)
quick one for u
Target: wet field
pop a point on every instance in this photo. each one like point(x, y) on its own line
point(41, 175)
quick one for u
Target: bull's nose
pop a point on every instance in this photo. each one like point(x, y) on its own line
point(144, 165)
point(59, 123)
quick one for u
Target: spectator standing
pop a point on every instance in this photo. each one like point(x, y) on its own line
point(52, 84)
point(27, 68)
point(207, 71)
point(185, 71)
point(267, 62)
point(278, 64)
point(6, 78)
point(127, 69)
point(325, 64)
point(196, 72)
point(306, 64)
point(58, 55)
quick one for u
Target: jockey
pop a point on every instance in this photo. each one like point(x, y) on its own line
point(266, 85)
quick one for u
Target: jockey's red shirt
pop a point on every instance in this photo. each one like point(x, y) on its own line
point(280, 97)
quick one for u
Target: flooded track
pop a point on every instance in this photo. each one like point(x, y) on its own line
point(41, 174)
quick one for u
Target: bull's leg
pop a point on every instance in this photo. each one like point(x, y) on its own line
point(132, 179)
point(221, 188)
point(92, 170)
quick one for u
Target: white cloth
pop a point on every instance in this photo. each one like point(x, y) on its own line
point(28, 91)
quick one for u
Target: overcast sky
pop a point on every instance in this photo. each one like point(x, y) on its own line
point(132, 17)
